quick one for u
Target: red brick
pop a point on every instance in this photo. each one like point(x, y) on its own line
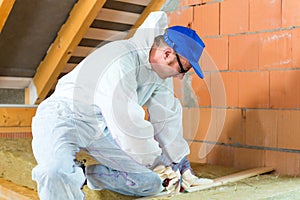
point(207, 63)
point(204, 125)
point(284, 89)
point(208, 125)
point(218, 92)
point(275, 50)
point(221, 155)
point(231, 86)
point(195, 156)
point(290, 13)
point(234, 128)
point(265, 14)
point(296, 48)
point(191, 123)
point(234, 16)
point(254, 89)
point(217, 48)
point(243, 52)
point(220, 117)
point(206, 19)
point(201, 88)
point(206, 150)
point(211, 124)
point(248, 158)
point(284, 162)
point(288, 129)
point(261, 128)
point(182, 17)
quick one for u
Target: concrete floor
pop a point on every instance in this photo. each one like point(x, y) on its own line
point(17, 162)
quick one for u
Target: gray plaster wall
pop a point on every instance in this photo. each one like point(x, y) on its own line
point(170, 5)
point(12, 96)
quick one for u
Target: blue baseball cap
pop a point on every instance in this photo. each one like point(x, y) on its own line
point(186, 43)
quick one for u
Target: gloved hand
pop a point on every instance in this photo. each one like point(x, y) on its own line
point(189, 179)
point(170, 179)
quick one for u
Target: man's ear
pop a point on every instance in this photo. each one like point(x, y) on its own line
point(167, 52)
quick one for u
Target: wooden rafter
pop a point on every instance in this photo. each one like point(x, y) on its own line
point(117, 16)
point(5, 9)
point(101, 34)
point(16, 116)
point(217, 182)
point(139, 2)
point(79, 21)
point(16, 119)
point(233, 178)
point(154, 5)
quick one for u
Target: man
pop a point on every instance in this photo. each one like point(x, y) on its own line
point(98, 108)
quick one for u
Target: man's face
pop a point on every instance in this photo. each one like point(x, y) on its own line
point(167, 64)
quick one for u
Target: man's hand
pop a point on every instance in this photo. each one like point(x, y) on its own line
point(170, 179)
point(189, 179)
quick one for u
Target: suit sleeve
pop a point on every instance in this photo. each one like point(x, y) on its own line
point(165, 113)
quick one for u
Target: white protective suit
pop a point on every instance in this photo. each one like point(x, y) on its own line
point(125, 82)
point(104, 95)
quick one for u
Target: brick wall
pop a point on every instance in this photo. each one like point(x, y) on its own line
point(246, 112)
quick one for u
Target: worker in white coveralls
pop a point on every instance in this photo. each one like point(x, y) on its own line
point(97, 108)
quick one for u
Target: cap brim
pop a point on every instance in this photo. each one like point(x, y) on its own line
point(197, 69)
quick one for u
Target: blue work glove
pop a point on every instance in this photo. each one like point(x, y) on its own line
point(187, 175)
point(182, 166)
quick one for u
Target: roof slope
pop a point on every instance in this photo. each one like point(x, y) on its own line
point(29, 31)
point(42, 40)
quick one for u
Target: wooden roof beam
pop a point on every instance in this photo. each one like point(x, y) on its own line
point(139, 2)
point(5, 9)
point(16, 119)
point(117, 16)
point(154, 5)
point(81, 17)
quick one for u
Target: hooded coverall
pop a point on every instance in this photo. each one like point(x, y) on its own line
point(97, 107)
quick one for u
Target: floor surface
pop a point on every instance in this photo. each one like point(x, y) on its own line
point(17, 162)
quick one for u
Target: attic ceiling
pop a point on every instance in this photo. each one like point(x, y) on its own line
point(29, 31)
point(34, 28)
